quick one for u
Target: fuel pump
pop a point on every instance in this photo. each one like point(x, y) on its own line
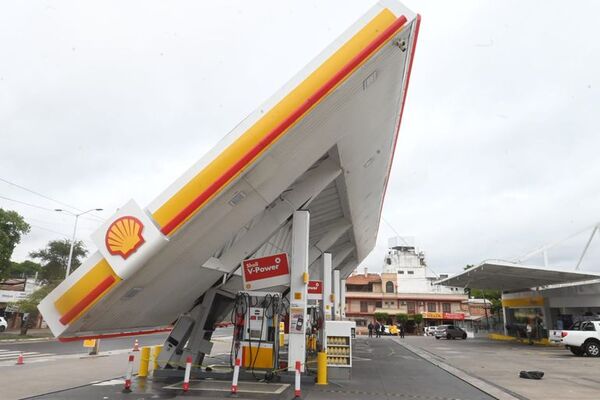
point(314, 339)
point(256, 330)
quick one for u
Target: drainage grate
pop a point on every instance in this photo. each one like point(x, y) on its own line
point(384, 394)
point(212, 385)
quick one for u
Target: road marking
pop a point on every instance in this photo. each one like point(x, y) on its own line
point(6, 355)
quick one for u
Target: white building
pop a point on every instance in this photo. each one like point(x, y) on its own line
point(410, 267)
point(13, 290)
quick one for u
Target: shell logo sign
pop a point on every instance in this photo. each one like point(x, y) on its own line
point(264, 272)
point(124, 236)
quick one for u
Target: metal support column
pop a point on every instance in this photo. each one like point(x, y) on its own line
point(298, 290)
point(505, 322)
point(336, 295)
point(343, 299)
point(327, 297)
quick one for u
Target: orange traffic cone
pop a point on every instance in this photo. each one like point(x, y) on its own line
point(20, 360)
point(136, 345)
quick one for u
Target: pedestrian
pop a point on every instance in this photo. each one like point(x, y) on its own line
point(529, 330)
point(382, 329)
point(370, 327)
point(402, 331)
point(377, 333)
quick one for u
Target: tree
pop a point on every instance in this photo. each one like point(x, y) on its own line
point(55, 257)
point(12, 228)
point(401, 318)
point(381, 316)
point(25, 269)
point(29, 306)
point(418, 318)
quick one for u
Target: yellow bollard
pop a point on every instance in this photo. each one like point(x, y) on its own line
point(321, 368)
point(144, 361)
point(281, 334)
point(155, 353)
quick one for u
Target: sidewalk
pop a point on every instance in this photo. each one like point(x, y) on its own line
point(498, 363)
point(14, 335)
point(31, 379)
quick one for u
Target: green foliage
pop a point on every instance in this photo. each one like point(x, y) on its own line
point(25, 269)
point(494, 296)
point(418, 318)
point(55, 257)
point(401, 317)
point(12, 228)
point(381, 316)
point(30, 303)
point(29, 306)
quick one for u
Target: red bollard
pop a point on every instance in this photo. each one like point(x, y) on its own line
point(186, 377)
point(20, 360)
point(297, 392)
point(236, 374)
point(127, 388)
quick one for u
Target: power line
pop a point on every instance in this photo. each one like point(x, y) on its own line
point(49, 230)
point(27, 204)
point(43, 196)
point(95, 218)
point(39, 194)
point(392, 228)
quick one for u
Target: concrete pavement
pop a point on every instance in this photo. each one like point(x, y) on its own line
point(498, 364)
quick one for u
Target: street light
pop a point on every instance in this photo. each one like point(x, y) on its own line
point(74, 231)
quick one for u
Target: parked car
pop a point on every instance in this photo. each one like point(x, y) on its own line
point(583, 338)
point(430, 330)
point(3, 324)
point(450, 332)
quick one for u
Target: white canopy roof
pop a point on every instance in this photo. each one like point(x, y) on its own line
point(505, 275)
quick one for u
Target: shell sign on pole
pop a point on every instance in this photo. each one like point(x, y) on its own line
point(264, 272)
point(315, 290)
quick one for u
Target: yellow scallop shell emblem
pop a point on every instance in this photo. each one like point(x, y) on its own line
point(124, 236)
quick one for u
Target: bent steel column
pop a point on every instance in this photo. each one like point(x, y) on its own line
point(298, 290)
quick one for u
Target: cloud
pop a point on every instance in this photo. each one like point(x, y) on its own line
point(497, 155)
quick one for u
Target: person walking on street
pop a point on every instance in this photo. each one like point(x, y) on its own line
point(402, 331)
point(370, 327)
point(377, 329)
point(529, 330)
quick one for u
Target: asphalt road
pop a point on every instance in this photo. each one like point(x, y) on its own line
point(48, 348)
point(382, 370)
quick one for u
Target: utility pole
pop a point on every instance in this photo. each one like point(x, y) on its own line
point(74, 233)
